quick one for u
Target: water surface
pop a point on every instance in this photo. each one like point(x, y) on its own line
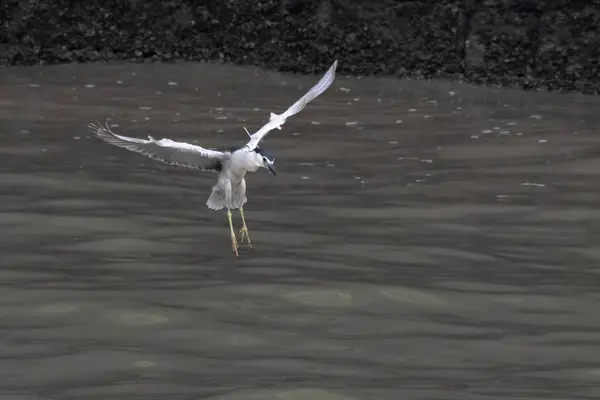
point(421, 240)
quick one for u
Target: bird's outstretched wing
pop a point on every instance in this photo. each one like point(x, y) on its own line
point(276, 120)
point(165, 150)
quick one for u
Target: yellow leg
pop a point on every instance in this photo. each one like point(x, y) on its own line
point(234, 244)
point(244, 231)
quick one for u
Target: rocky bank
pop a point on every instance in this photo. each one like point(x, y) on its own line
point(547, 45)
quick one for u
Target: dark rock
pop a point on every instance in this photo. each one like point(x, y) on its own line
point(569, 51)
point(502, 43)
point(531, 44)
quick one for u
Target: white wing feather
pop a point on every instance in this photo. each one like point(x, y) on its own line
point(165, 150)
point(277, 120)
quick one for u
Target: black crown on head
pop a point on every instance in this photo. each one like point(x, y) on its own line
point(264, 153)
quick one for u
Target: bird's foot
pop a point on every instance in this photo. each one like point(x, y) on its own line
point(234, 245)
point(244, 233)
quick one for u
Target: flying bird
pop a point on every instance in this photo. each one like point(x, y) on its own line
point(232, 164)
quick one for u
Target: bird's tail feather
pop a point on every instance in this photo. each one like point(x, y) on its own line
point(216, 201)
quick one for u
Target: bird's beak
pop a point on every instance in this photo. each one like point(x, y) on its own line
point(271, 169)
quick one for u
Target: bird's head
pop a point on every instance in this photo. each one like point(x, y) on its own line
point(268, 161)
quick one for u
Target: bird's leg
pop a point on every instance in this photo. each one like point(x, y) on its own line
point(234, 244)
point(244, 231)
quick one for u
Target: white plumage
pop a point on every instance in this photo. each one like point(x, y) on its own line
point(232, 164)
point(276, 121)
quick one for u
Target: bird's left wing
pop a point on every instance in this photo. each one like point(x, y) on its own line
point(277, 120)
point(165, 150)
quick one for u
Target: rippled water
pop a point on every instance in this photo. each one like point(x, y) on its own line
point(423, 240)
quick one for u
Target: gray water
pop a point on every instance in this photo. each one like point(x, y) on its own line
point(422, 240)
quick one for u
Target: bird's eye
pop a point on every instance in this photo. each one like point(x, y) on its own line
point(265, 159)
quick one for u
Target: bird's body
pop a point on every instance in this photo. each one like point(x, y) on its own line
point(230, 190)
point(231, 164)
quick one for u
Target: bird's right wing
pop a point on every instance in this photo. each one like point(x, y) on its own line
point(277, 120)
point(165, 150)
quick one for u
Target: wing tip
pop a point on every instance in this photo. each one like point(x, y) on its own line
point(333, 68)
point(102, 131)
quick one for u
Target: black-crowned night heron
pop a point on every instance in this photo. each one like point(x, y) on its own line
point(231, 164)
